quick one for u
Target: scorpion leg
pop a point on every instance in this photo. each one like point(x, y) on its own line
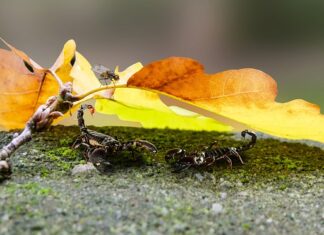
point(79, 142)
point(236, 154)
point(227, 158)
point(231, 152)
point(98, 157)
point(210, 161)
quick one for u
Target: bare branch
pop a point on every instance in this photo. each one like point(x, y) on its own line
point(55, 107)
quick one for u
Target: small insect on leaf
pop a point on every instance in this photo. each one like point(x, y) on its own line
point(106, 76)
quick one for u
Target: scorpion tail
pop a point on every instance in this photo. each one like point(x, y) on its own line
point(80, 116)
point(250, 144)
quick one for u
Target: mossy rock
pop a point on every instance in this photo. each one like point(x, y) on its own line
point(277, 190)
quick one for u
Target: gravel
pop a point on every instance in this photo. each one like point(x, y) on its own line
point(84, 169)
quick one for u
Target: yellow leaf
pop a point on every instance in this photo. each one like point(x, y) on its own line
point(18, 87)
point(244, 95)
point(159, 117)
point(24, 85)
point(146, 107)
point(62, 68)
point(128, 72)
point(65, 61)
point(83, 77)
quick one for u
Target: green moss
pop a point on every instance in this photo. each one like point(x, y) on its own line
point(246, 226)
point(65, 152)
point(63, 158)
point(65, 141)
point(147, 194)
point(285, 162)
point(29, 187)
point(283, 186)
point(50, 153)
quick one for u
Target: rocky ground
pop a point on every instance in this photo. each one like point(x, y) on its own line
point(279, 190)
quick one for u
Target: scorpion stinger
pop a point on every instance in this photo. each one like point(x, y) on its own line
point(99, 147)
point(249, 144)
point(180, 160)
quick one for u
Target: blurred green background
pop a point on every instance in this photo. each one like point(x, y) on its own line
point(283, 38)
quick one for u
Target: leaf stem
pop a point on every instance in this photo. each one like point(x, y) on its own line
point(82, 96)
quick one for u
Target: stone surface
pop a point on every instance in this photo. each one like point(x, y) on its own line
point(279, 190)
point(83, 169)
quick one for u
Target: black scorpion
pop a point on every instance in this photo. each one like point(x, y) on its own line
point(181, 160)
point(100, 147)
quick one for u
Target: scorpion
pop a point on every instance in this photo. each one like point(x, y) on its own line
point(100, 147)
point(180, 160)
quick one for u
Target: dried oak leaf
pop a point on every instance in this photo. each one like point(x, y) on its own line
point(245, 95)
point(24, 85)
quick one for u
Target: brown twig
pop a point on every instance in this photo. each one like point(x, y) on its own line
point(55, 107)
point(80, 97)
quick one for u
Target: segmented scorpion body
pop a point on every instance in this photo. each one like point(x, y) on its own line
point(180, 160)
point(100, 147)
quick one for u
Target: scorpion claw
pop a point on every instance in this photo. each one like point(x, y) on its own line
point(148, 145)
point(142, 144)
point(77, 143)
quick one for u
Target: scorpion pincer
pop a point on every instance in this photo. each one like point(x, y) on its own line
point(181, 160)
point(100, 147)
